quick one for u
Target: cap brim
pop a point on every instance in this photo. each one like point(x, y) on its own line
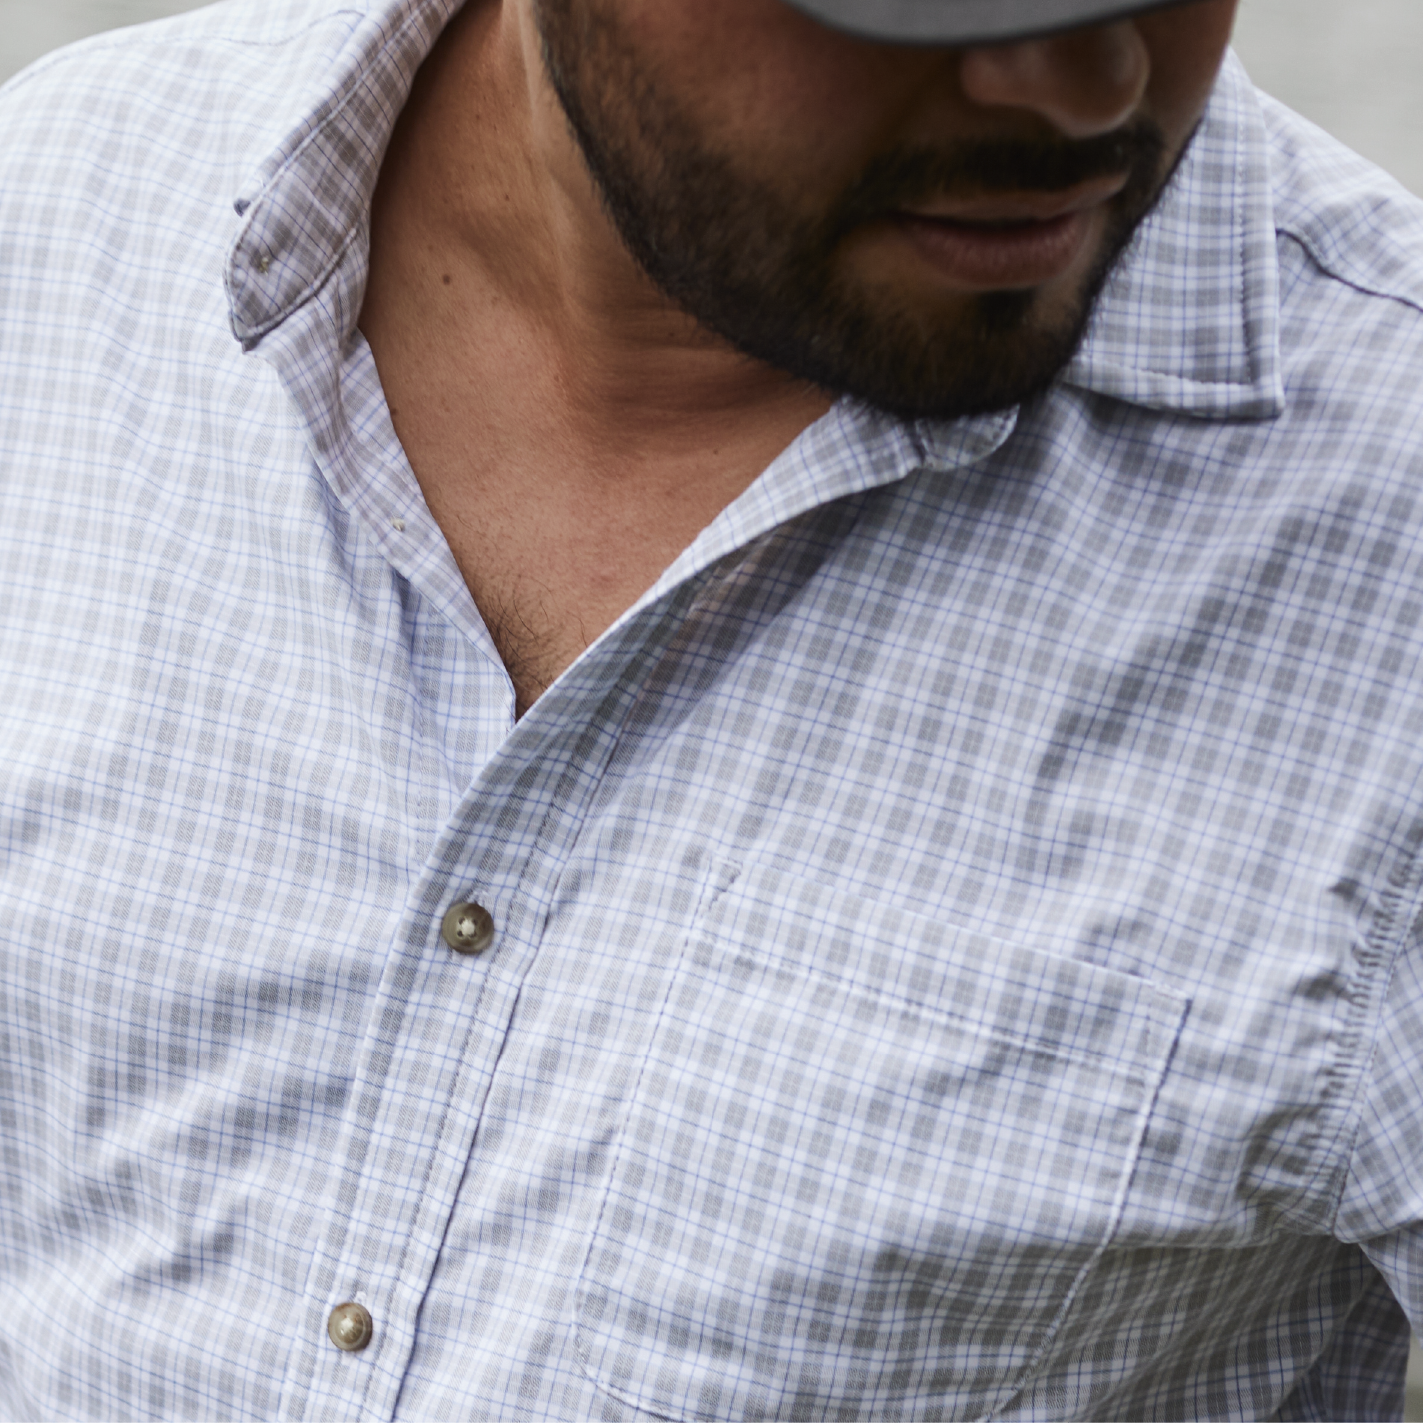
point(957, 22)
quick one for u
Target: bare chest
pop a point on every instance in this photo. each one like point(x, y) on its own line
point(549, 575)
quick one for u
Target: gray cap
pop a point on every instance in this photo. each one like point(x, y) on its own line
point(954, 22)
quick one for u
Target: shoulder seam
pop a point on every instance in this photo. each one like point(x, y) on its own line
point(1355, 283)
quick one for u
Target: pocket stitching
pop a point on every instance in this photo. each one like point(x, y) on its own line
point(721, 875)
point(1165, 1005)
point(1166, 1009)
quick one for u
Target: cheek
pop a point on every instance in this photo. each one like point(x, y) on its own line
point(773, 90)
point(1187, 45)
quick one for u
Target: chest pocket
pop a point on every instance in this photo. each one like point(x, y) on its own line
point(867, 1163)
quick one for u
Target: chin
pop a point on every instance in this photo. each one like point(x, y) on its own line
point(936, 361)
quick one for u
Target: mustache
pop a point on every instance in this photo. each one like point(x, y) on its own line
point(907, 176)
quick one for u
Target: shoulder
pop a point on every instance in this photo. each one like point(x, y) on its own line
point(161, 114)
point(1350, 244)
point(1355, 223)
point(122, 160)
point(186, 58)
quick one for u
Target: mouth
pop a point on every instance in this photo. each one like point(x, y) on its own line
point(1007, 241)
point(1020, 208)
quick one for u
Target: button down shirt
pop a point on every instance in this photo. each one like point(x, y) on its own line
point(955, 936)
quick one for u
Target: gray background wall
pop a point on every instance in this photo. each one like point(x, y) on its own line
point(1353, 66)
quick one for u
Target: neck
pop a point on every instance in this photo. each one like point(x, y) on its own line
point(572, 430)
point(487, 224)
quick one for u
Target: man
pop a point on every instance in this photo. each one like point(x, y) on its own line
point(713, 711)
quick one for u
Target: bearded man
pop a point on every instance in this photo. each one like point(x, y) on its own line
point(713, 711)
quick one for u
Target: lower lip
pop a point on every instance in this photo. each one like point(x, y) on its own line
point(984, 258)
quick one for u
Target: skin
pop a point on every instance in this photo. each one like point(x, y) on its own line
point(572, 429)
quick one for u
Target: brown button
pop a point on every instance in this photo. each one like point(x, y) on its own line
point(468, 928)
point(350, 1327)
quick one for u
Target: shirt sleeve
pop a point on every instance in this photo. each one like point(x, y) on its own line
point(1381, 1207)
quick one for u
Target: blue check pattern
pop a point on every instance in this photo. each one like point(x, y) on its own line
point(957, 946)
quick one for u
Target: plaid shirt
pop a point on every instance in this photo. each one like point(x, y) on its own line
point(955, 937)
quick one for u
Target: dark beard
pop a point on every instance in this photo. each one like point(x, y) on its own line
point(736, 257)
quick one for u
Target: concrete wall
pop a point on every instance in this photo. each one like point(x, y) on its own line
point(1353, 66)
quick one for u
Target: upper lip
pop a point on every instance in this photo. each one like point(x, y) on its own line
point(1018, 207)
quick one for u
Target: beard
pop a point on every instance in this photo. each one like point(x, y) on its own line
point(741, 258)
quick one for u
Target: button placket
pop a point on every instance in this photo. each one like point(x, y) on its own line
point(438, 1031)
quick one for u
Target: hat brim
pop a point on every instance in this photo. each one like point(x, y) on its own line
point(959, 22)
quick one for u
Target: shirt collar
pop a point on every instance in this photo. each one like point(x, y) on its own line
point(1188, 324)
point(305, 207)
